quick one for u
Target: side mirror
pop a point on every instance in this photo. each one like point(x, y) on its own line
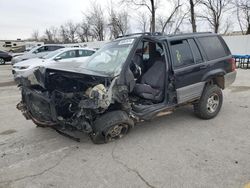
point(57, 58)
point(35, 52)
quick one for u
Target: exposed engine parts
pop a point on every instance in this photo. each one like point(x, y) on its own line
point(73, 102)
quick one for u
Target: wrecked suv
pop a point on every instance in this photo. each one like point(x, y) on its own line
point(133, 78)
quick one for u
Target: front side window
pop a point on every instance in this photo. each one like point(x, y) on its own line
point(110, 57)
point(182, 54)
point(39, 50)
point(42, 49)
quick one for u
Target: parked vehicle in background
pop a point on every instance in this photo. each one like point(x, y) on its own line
point(131, 79)
point(30, 45)
point(39, 51)
point(64, 58)
point(4, 57)
point(18, 46)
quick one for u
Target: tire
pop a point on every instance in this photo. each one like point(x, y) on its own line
point(2, 61)
point(210, 103)
point(111, 126)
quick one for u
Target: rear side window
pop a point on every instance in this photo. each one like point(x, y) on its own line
point(68, 54)
point(196, 51)
point(182, 54)
point(213, 47)
point(53, 48)
point(84, 53)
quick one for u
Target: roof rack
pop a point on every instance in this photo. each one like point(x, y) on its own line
point(146, 33)
point(180, 34)
point(162, 34)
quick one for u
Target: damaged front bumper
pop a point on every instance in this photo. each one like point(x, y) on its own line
point(41, 109)
point(23, 108)
point(38, 108)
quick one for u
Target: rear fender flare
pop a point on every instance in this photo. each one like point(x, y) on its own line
point(216, 75)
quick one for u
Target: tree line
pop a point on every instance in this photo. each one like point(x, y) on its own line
point(99, 24)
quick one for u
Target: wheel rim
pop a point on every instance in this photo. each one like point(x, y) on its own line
point(213, 103)
point(116, 132)
point(1, 61)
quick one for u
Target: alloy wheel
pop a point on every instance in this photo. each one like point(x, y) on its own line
point(2, 61)
point(212, 103)
point(116, 132)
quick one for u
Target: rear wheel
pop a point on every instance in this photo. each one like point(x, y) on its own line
point(2, 61)
point(111, 126)
point(210, 103)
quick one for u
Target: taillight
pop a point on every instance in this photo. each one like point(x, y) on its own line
point(233, 64)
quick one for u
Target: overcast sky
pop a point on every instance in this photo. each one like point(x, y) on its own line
point(18, 18)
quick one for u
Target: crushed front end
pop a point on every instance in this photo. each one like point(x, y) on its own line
point(67, 100)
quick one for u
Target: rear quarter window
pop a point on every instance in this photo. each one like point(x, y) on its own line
point(213, 47)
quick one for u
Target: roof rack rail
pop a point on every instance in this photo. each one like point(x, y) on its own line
point(146, 33)
point(180, 34)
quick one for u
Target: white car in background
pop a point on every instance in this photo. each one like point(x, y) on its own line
point(62, 58)
point(39, 51)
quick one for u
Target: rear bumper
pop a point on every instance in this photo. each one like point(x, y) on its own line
point(230, 78)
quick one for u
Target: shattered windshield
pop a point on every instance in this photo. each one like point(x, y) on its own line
point(109, 58)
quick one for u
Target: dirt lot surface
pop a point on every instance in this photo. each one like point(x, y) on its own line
point(173, 151)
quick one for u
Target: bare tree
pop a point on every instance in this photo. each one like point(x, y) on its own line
point(164, 22)
point(227, 26)
point(48, 36)
point(243, 15)
point(143, 21)
point(192, 15)
point(179, 19)
point(83, 31)
point(173, 12)
point(35, 35)
point(72, 31)
point(51, 35)
point(118, 23)
point(151, 5)
point(171, 24)
point(95, 18)
point(193, 4)
point(214, 10)
point(64, 33)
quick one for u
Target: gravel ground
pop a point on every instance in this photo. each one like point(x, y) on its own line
point(178, 150)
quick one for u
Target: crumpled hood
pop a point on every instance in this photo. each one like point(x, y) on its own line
point(39, 75)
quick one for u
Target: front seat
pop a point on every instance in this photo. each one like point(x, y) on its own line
point(152, 82)
point(137, 60)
